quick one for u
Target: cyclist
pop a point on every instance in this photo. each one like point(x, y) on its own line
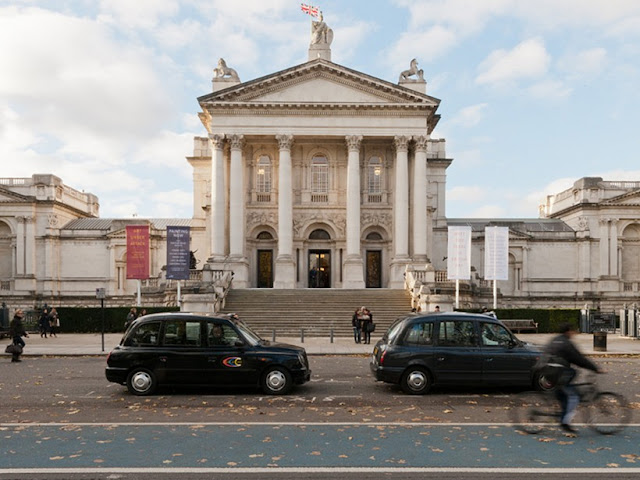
point(561, 355)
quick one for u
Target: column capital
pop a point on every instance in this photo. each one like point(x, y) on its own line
point(285, 142)
point(401, 143)
point(421, 143)
point(236, 142)
point(353, 142)
point(217, 140)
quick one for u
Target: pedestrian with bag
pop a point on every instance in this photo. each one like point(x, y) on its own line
point(367, 325)
point(44, 323)
point(17, 331)
point(54, 323)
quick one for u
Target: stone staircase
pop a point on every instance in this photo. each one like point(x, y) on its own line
point(317, 311)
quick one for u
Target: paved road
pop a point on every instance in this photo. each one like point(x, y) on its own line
point(61, 417)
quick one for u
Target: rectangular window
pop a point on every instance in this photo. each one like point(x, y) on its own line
point(457, 333)
point(146, 334)
point(182, 332)
point(420, 334)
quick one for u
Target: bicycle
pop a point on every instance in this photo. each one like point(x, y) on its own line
point(605, 412)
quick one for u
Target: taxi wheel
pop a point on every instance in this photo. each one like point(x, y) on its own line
point(415, 381)
point(276, 381)
point(542, 383)
point(141, 382)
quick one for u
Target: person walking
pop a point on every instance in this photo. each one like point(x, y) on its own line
point(54, 323)
point(355, 323)
point(17, 331)
point(43, 323)
point(561, 353)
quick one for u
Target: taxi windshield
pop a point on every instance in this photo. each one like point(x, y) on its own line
point(252, 337)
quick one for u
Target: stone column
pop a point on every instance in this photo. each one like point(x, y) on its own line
point(401, 202)
point(353, 266)
point(400, 213)
point(30, 246)
point(604, 247)
point(217, 197)
point(236, 197)
point(420, 201)
point(613, 247)
point(284, 271)
point(20, 244)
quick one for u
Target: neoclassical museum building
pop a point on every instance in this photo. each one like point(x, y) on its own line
point(320, 176)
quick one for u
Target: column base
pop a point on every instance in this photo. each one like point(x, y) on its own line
point(353, 273)
point(240, 267)
point(396, 271)
point(285, 274)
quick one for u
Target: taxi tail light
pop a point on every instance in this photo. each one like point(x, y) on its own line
point(384, 354)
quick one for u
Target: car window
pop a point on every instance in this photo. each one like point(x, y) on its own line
point(146, 334)
point(220, 334)
point(393, 331)
point(456, 333)
point(182, 332)
point(419, 334)
point(495, 335)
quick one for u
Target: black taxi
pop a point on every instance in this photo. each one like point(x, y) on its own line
point(419, 351)
point(198, 349)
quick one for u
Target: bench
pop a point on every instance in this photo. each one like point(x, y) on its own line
point(518, 325)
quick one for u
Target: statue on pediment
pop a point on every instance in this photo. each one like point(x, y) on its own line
point(320, 32)
point(222, 71)
point(413, 70)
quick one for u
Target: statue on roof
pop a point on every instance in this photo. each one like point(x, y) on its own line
point(320, 32)
point(413, 70)
point(222, 71)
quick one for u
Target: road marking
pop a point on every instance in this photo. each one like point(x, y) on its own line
point(363, 424)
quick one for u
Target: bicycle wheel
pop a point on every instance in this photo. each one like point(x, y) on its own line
point(533, 412)
point(608, 413)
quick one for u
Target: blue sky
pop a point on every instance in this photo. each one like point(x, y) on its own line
point(534, 95)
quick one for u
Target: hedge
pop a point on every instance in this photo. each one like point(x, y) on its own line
point(89, 320)
point(548, 320)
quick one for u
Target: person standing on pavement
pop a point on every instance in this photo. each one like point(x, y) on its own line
point(44, 323)
point(561, 355)
point(17, 331)
point(131, 316)
point(366, 320)
point(355, 323)
point(54, 323)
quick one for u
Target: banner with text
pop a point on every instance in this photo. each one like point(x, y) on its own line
point(496, 253)
point(138, 252)
point(459, 253)
point(178, 252)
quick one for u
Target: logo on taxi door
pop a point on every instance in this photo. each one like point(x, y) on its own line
point(232, 362)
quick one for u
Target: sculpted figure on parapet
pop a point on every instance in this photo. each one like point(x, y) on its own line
point(320, 32)
point(413, 70)
point(222, 71)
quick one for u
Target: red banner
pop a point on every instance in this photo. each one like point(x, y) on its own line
point(138, 252)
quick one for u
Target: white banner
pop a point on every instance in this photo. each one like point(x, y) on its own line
point(496, 253)
point(459, 253)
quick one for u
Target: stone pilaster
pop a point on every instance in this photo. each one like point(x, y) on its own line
point(217, 197)
point(401, 212)
point(284, 268)
point(353, 265)
point(420, 201)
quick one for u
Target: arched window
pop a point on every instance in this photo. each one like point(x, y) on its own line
point(263, 179)
point(374, 180)
point(264, 235)
point(374, 237)
point(319, 179)
point(319, 234)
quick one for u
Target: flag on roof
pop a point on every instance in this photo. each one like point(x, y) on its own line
point(310, 9)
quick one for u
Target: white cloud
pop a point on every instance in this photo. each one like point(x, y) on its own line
point(145, 14)
point(527, 60)
point(471, 194)
point(469, 116)
point(488, 211)
point(549, 89)
point(426, 46)
point(586, 62)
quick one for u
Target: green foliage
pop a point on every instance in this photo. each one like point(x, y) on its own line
point(89, 320)
point(548, 320)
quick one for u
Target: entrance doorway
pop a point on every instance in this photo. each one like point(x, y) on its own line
point(265, 268)
point(374, 269)
point(319, 269)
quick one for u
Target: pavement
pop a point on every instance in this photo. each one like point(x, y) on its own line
point(69, 344)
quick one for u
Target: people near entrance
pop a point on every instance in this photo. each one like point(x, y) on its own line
point(357, 328)
point(17, 331)
point(54, 322)
point(366, 323)
point(43, 323)
point(131, 316)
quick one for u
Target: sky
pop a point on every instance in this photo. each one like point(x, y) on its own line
point(534, 94)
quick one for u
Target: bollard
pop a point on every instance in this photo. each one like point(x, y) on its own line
point(273, 336)
point(302, 335)
point(600, 341)
point(331, 335)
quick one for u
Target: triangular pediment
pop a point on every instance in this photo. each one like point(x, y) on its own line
point(320, 82)
point(9, 196)
point(630, 198)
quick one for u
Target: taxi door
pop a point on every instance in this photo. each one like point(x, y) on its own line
point(457, 354)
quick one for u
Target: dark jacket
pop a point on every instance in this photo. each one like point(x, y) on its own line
point(562, 350)
point(16, 328)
